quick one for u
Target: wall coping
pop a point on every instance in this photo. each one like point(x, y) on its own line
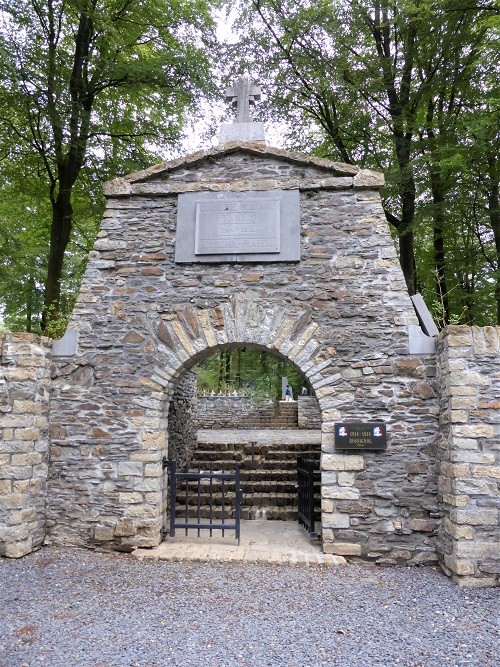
point(359, 178)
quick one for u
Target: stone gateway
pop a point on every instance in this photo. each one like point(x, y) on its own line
point(179, 271)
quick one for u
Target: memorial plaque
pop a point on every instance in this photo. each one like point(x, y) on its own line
point(238, 227)
point(361, 437)
point(246, 226)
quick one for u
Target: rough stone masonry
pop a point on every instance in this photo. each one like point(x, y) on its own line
point(340, 313)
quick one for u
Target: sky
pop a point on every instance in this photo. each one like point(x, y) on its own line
point(212, 115)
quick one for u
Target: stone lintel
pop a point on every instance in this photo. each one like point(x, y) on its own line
point(165, 188)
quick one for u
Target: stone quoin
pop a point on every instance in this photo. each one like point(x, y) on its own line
point(83, 465)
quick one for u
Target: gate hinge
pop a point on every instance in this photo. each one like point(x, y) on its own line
point(165, 463)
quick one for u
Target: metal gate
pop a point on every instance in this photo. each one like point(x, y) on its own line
point(307, 478)
point(204, 500)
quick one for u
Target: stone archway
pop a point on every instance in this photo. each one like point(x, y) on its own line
point(270, 463)
point(195, 334)
point(243, 321)
point(334, 303)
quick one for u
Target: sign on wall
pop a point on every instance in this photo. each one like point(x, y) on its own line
point(238, 227)
point(364, 437)
point(242, 227)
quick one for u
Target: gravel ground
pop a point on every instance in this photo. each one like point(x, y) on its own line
point(76, 608)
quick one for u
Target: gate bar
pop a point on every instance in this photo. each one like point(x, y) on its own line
point(305, 486)
point(198, 476)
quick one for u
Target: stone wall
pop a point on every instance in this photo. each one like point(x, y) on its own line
point(233, 411)
point(24, 413)
point(183, 421)
point(340, 314)
point(255, 412)
point(109, 424)
point(469, 453)
point(382, 506)
point(309, 414)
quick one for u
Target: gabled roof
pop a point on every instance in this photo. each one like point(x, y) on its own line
point(121, 186)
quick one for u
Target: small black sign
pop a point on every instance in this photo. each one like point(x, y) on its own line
point(364, 437)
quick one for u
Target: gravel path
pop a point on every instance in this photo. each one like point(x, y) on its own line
point(76, 608)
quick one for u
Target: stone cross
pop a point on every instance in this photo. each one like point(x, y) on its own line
point(242, 94)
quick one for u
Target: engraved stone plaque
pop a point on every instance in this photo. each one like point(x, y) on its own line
point(238, 227)
point(242, 227)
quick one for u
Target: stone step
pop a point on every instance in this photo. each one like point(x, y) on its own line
point(275, 470)
point(246, 462)
point(284, 513)
point(258, 441)
point(261, 499)
point(266, 466)
point(266, 499)
point(249, 487)
point(251, 479)
point(261, 475)
point(258, 448)
point(268, 478)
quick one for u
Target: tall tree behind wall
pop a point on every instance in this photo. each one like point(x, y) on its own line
point(88, 84)
point(356, 81)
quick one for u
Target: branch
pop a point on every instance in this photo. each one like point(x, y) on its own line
point(392, 219)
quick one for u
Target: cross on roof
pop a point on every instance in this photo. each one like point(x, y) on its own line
point(242, 94)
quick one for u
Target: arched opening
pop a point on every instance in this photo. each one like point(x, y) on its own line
point(248, 371)
point(228, 410)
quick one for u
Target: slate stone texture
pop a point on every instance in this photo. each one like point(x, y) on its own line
point(340, 314)
point(183, 421)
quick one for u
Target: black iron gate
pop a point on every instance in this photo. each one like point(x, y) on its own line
point(307, 482)
point(204, 500)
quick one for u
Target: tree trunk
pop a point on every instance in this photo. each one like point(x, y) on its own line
point(408, 195)
point(494, 213)
point(29, 300)
point(220, 378)
point(62, 217)
point(227, 369)
point(237, 368)
point(438, 242)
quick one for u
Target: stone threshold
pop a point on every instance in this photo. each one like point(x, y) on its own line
point(272, 542)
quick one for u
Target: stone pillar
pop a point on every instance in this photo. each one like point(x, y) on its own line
point(469, 380)
point(338, 477)
point(308, 412)
point(182, 422)
point(24, 411)
point(108, 435)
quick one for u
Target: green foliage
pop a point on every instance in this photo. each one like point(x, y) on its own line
point(249, 370)
point(25, 216)
point(92, 89)
point(87, 89)
point(408, 88)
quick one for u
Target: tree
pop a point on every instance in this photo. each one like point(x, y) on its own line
point(94, 81)
point(252, 370)
point(380, 84)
